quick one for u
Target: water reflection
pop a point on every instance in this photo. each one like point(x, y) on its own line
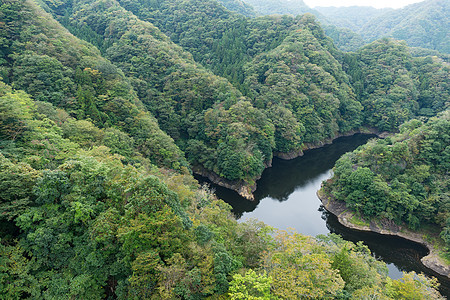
point(399, 254)
point(279, 182)
point(286, 198)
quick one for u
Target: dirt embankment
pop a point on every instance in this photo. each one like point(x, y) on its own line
point(310, 146)
point(246, 189)
point(240, 186)
point(387, 227)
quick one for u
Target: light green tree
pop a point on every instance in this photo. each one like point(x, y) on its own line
point(251, 286)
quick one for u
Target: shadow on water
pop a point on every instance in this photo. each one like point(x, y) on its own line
point(286, 197)
point(286, 176)
point(405, 255)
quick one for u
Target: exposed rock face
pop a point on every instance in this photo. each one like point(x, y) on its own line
point(387, 227)
point(239, 186)
point(310, 146)
point(434, 262)
point(289, 155)
point(246, 190)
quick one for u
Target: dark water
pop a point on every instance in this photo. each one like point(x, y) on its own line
point(286, 198)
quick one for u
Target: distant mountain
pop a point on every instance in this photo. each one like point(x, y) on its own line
point(281, 7)
point(291, 85)
point(98, 147)
point(352, 17)
point(425, 24)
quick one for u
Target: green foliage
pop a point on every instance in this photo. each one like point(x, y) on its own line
point(287, 67)
point(393, 86)
point(402, 178)
point(218, 39)
point(301, 269)
point(15, 110)
point(16, 184)
point(303, 75)
point(344, 39)
point(180, 93)
point(43, 77)
point(351, 17)
point(413, 286)
point(56, 67)
point(357, 268)
point(421, 24)
point(92, 227)
point(251, 286)
point(96, 201)
point(16, 282)
point(239, 6)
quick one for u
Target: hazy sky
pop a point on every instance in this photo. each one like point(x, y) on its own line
point(374, 3)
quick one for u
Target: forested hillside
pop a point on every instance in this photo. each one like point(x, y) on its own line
point(273, 31)
point(302, 80)
point(351, 17)
point(287, 83)
point(217, 38)
point(403, 178)
point(393, 86)
point(167, 82)
point(101, 129)
point(89, 225)
point(424, 24)
point(281, 7)
point(42, 58)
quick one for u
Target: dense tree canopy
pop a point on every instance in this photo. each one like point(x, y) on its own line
point(78, 79)
point(402, 178)
point(295, 79)
point(98, 139)
point(424, 24)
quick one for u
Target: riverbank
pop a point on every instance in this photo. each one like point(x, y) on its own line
point(349, 219)
point(246, 189)
point(311, 146)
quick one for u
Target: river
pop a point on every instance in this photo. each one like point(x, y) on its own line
point(286, 198)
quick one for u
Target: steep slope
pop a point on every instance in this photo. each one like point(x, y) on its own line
point(85, 225)
point(344, 39)
point(339, 26)
point(100, 228)
point(303, 76)
point(84, 214)
point(183, 95)
point(394, 87)
point(91, 227)
point(401, 181)
point(44, 59)
point(351, 17)
point(218, 39)
point(424, 24)
point(281, 7)
point(297, 84)
point(343, 24)
point(234, 139)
